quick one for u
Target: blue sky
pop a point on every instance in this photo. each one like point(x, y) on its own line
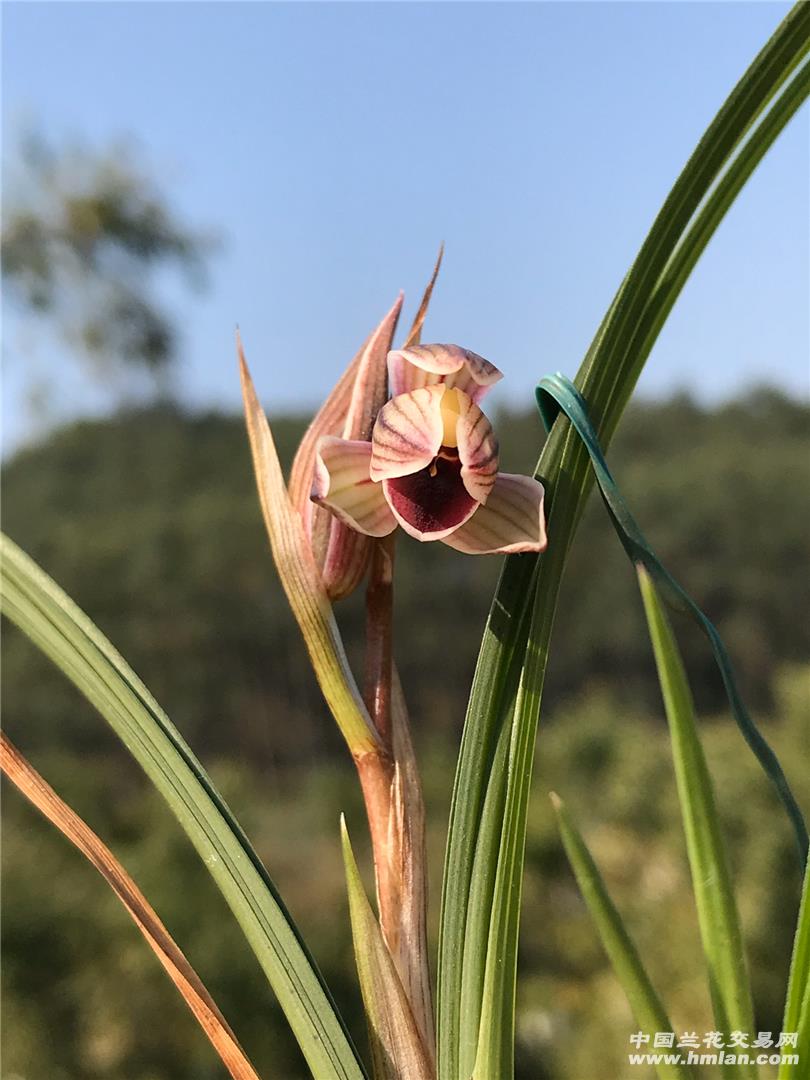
point(333, 146)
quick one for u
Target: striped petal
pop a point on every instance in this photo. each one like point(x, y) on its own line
point(512, 520)
point(342, 483)
point(349, 411)
point(407, 434)
point(477, 445)
point(426, 365)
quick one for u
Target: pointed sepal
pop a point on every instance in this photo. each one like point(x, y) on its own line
point(301, 579)
point(341, 553)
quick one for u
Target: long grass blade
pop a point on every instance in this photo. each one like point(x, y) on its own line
point(41, 795)
point(714, 208)
point(711, 881)
point(797, 1003)
point(650, 1014)
point(64, 633)
point(555, 392)
point(525, 602)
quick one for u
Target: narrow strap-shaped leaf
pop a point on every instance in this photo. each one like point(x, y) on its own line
point(397, 1050)
point(706, 220)
point(711, 881)
point(738, 137)
point(494, 1058)
point(479, 912)
point(650, 1014)
point(41, 795)
point(797, 1003)
point(555, 393)
point(65, 634)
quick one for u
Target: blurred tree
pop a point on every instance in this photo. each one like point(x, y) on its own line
point(84, 235)
point(150, 520)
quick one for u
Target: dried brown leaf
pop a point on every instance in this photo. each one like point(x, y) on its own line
point(44, 798)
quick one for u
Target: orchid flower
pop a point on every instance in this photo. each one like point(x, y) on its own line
point(431, 465)
point(320, 560)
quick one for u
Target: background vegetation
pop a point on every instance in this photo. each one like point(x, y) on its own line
point(150, 521)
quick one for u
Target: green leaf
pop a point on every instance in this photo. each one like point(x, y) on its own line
point(711, 881)
point(555, 392)
point(482, 887)
point(64, 633)
point(397, 1050)
point(705, 222)
point(797, 1004)
point(644, 1001)
point(505, 692)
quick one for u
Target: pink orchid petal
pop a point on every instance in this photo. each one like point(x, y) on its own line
point(477, 449)
point(371, 382)
point(430, 505)
point(349, 411)
point(407, 434)
point(512, 520)
point(426, 365)
point(342, 483)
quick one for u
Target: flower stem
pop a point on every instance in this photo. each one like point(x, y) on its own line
point(379, 631)
point(377, 770)
point(393, 797)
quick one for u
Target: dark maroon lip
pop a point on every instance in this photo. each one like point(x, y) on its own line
point(433, 499)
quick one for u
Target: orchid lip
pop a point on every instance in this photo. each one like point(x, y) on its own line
point(433, 502)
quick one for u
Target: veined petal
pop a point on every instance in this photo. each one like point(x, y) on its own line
point(426, 365)
point(342, 483)
point(477, 447)
point(511, 521)
point(408, 433)
point(349, 410)
point(329, 420)
point(371, 382)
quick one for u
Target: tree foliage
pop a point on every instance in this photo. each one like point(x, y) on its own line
point(151, 520)
point(85, 232)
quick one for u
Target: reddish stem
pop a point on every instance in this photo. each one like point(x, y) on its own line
point(379, 631)
point(393, 801)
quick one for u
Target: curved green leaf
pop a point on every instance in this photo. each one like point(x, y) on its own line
point(556, 392)
point(522, 614)
point(644, 1001)
point(797, 1004)
point(64, 633)
point(711, 881)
